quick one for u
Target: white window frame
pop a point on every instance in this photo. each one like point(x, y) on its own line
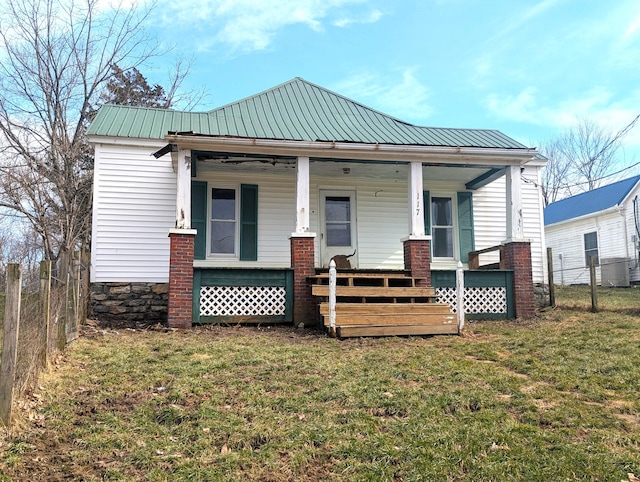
point(596, 249)
point(236, 240)
point(454, 218)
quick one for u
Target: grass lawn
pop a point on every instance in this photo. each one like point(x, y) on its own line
point(550, 400)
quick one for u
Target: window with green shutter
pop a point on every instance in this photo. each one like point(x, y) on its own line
point(465, 225)
point(438, 223)
point(223, 229)
point(248, 222)
point(427, 212)
point(199, 218)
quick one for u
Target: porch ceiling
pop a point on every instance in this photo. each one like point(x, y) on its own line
point(343, 169)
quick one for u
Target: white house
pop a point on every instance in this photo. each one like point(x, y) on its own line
point(603, 223)
point(246, 203)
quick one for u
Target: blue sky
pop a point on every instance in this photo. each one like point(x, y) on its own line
point(527, 68)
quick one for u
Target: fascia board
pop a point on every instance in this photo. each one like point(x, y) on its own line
point(127, 141)
point(346, 150)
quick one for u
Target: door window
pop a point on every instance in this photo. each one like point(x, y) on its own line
point(338, 220)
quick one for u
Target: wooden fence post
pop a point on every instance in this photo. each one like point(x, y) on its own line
point(63, 299)
point(593, 283)
point(45, 307)
point(10, 342)
point(552, 288)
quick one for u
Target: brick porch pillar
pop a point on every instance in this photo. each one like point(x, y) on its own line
point(517, 256)
point(303, 264)
point(181, 277)
point(417, 258)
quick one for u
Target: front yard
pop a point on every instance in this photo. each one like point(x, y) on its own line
point(549, 400)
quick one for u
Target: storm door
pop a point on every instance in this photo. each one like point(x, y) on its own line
point(338, 226)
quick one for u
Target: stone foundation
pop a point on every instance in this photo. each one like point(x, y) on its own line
point(129, 303)
point(542, 295)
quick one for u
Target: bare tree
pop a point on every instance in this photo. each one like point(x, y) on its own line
point(58, 57)
point(555, 175)
point(581, 158)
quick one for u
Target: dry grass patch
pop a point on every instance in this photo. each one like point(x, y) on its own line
point(553, 399)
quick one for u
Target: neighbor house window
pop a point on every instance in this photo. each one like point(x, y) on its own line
point(442, 227)
point(591, 248)
point(223, 221)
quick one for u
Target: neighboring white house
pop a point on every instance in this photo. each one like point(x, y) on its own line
point(603, 223)
point(299, 169)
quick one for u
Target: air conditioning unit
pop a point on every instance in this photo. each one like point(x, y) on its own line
point(614, 272)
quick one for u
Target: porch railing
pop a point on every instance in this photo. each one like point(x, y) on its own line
point(474, 258)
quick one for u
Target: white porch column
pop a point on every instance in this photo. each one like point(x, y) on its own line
point(416, 200)
point(302, 195)
point(183, 194)
point(515, 227)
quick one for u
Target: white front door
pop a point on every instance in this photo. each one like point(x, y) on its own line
point(338, 226)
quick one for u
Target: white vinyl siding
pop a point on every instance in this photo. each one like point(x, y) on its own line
point(276, 218)
point(381, 219)
point(134, 208)
point(489, 211)
point(566, 241)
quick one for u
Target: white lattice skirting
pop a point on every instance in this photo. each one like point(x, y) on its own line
point(476, 300)
point(242, 300)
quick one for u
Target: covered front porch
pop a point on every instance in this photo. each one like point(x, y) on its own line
point(390, 227)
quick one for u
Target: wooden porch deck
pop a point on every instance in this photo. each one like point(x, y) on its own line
point(382, 303)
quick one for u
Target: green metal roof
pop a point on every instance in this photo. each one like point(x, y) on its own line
point(294, 110)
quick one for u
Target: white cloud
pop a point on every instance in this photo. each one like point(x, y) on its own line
point(633, 29)
point(522, 17)
point(401, 95)
point(247, 25)
point(373, 17)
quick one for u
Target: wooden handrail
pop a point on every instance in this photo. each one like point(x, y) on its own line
point(474, 256)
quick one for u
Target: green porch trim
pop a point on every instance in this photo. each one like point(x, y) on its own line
point(250, 277)
point(480, 279)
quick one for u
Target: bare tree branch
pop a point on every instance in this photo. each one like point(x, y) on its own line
point(581, 158)
point(58, 57)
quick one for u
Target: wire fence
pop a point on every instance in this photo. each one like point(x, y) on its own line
point(580, 274)
point(38, 320)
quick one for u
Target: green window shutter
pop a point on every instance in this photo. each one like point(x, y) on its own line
point(465, 225)
point(427, 212)
point(199, 217)
point(249, 222)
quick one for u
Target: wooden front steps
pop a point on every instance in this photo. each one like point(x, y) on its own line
point(383, 304)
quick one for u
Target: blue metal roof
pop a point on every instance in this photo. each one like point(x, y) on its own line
point(589, 202)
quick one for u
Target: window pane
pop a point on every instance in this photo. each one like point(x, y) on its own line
point(223, 237)
point(223, 204)
point(338, 209)
point(591, 241)
point(338, 234)
point(591, 248)
point(442, 239)
point(441, 212)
